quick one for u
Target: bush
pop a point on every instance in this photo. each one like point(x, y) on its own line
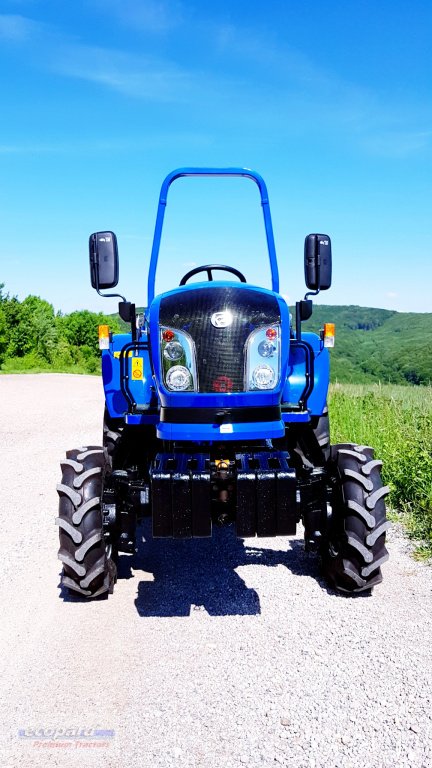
point(33, 338)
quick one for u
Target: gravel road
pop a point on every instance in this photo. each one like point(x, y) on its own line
point(210, 653)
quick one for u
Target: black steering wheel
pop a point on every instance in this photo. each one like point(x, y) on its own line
point(209, 268)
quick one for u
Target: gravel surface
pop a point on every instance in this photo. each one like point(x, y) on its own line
point(210, 653)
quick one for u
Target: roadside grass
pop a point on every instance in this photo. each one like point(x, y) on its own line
point(397, 422)
point(32, 364)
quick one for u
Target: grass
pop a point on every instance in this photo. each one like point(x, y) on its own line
point(397, 422)
point(33, 364)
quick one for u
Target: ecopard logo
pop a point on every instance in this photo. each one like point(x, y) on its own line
point(74, 737)
point(221, 319)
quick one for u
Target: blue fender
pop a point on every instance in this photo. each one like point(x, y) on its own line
point(296, 378)
point(140, 387)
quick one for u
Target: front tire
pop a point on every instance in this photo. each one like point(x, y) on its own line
point(321, 428)
point(354, 549)
point(112, 434)
point(87, 568)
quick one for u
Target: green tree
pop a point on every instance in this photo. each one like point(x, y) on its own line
point(81, 328)
point(3, 335)
point(31, 327)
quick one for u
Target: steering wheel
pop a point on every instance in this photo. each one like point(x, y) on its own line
point(209, 269)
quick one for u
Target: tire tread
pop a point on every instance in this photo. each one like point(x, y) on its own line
point(355, 546)
point(86, 568)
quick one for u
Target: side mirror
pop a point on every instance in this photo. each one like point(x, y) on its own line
point(103, 253)
point(318, 262)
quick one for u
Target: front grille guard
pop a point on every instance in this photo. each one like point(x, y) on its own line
point(133, 407)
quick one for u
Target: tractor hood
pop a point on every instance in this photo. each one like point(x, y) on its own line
point(219, 344)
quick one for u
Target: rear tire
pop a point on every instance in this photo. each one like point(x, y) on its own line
point(354, 549)
point(87, 568)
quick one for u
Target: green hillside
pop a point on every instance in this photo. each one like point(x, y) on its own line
point(376, 344)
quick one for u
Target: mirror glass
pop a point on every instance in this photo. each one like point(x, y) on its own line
point(103, 260)
point(318, 262)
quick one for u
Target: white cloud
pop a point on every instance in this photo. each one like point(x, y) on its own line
point(126, 143)
point(144, 15)
point(32, 148)
point(285, 80)
point(17, 29)
point(368, 117)
point(137, 76)
point(398, 143)
point(142, 76)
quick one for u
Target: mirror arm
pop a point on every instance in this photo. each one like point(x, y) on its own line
point(110, 295)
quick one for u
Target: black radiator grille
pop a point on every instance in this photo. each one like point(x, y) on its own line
point(219, 351)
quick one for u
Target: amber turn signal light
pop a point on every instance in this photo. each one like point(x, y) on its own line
point(103, 337)
point(329, 334)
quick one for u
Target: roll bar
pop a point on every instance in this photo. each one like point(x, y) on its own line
point(179, 173)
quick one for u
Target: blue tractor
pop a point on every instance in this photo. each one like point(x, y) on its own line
point(216, 413)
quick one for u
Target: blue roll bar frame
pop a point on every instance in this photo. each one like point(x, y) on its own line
point(180, 172)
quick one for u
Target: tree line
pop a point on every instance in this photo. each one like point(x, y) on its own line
point(377, 344)
point(34, 336)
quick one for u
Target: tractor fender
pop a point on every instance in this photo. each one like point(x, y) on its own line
point(139, 371)
point(296, 375)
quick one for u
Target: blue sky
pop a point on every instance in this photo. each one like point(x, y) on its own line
point(330, 101)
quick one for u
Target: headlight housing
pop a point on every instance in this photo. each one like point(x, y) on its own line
point(178, 360)
point(262, 359)
point(178, 378)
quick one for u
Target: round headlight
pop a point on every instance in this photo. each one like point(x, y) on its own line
point(178, 378)
point(263, 377)
point(173, 350)
point(266, 349)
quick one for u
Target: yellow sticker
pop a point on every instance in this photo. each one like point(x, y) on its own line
point(137, 368)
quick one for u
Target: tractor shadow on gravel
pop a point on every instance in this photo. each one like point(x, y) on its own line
point(200, 573)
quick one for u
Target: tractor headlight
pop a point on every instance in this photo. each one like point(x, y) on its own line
point(264, 377)
point(262, 343)
point(173, 350)
point(178, 378)
point(267, 348)
point(178, 360)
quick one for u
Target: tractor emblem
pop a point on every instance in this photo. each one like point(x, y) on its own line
point(221, 319)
